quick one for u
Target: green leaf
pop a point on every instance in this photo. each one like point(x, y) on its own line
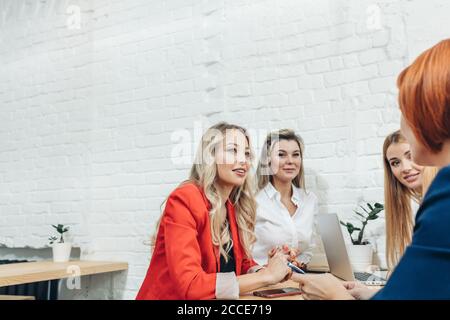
point(378, 205)
point(364, 209)
point(376, 212)
point(370, 206)
point(359, 214)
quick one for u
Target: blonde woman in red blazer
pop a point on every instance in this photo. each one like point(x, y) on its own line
point(203, 244)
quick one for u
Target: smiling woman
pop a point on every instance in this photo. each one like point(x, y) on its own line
point(202, 248)
point(402, 190)
point(285, 214)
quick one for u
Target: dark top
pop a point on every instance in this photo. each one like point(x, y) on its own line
point(229, 266)
point(424, 270)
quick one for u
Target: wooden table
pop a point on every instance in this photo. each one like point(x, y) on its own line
point(27, 272)
point(289, 283)
point(11, 297)
point(286, 284)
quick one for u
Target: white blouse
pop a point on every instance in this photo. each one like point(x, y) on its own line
point(275, 226)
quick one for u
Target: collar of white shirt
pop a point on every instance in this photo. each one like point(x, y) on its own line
point(272, 192)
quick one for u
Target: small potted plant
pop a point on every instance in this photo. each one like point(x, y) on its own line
point(61, 249)
point(360, 251)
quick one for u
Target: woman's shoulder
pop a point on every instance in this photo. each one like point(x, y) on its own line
point(189, 192)
point(187, 201)
point(440, 187)
point(433, 217)
point(443, 177)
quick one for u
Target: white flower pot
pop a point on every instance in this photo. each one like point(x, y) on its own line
point(360, 257)
point(61, 252)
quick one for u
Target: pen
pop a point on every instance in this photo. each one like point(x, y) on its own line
point(295, 268)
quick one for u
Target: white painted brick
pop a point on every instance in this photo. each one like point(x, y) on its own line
point(293, 43)
point(312, 23)
point(327, 94)
point(288, 71)
point(386, 84)
point(317, 109)
point(276, 100)
point(286, 30)
point(336, 63)
point(355, 89)
point(369, 117)
point(300, 97)
point(336, 120)
point(341, 31)
point(371, 101)
point(310, 123)
point(365, 131)
point(381, 38)
point(314, 38)
point(350, 75)
point(318, 66)
point(329, 49)
point(371, 56)
point(351, 45)
point(297, 56)
point(351, 60)
point(320, 151)
point(390, 68)
point(310, 81)
point(239, 90)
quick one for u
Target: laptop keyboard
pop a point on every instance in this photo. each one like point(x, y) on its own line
point(364, 276)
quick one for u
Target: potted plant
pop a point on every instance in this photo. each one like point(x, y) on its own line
point(360, 251)
point(61, 249)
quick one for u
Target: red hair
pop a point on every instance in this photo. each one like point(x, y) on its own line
point(424, 96)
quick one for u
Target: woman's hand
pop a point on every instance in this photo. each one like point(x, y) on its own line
point(359, 291)
point(292, 253)
point(322, 287)
point(277, 270)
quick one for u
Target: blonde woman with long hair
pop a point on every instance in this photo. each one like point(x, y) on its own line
point(204, 239)
point(405, 184)
point(285, 213)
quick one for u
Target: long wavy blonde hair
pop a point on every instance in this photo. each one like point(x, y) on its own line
point(398, 211)
point(204, 174)
point(264, 173)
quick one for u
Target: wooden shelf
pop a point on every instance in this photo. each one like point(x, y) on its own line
point(27, 272)
point(11, 297)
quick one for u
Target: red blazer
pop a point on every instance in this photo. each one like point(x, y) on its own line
point(185, 261)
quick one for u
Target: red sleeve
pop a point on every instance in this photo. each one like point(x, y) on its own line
point(247, 264)
point(183, 251)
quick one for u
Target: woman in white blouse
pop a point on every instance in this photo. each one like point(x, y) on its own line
point(285, 212)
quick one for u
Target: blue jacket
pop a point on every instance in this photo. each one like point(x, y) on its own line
point(424, 270)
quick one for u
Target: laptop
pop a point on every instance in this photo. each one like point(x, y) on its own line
point(336, 252)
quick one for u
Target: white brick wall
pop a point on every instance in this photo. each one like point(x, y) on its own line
point(89, 104)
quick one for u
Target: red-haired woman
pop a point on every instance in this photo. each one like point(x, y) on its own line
point(423, 271)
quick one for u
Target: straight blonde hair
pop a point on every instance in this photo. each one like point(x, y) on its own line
point(398, 212)
point(264, 173)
